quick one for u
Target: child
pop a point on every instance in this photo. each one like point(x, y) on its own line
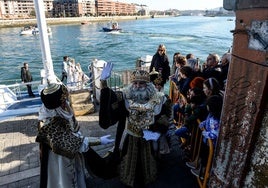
point(210, 130)
point(195, 110)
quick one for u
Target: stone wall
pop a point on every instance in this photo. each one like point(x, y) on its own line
point(54, 21)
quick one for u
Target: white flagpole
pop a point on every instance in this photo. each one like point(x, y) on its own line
point(44, 42)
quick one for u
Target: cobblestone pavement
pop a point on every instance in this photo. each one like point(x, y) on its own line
point(19, 156)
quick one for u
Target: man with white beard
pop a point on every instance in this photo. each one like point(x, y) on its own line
point(142, 115)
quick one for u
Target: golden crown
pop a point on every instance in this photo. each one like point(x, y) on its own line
point(158, 80)
point(140, 75)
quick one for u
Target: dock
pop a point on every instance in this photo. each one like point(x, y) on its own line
point(19, 156)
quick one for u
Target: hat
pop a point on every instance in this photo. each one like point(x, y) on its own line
point(158, 80)
point(53, 95)
point(140, 75)
point(197, 82)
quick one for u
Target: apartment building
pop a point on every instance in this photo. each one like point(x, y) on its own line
point(22, 8)
point(86, 8)
point(16, 9)
point(111, 8)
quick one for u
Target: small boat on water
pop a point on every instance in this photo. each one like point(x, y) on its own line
point(29, 30)
point(85, 23)
point(112, 26)
point(33, 30)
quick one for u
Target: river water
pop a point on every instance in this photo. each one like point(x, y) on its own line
point(187, 34)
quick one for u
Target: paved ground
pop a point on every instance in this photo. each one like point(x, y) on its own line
point(19, 157)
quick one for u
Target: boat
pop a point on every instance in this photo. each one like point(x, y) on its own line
point(29, 30)
point(85, 23)
point(33, 30)
point(112, 26)
point(15, 100)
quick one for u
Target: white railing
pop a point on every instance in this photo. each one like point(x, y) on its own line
point(14, 93)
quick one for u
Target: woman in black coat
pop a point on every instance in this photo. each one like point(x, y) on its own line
point(161, 63)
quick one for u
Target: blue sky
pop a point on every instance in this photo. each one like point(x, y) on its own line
point(178, 4)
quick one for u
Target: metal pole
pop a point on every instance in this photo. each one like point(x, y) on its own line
point(44, 42)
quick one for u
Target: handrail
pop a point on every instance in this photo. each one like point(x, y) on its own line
point(196, 149)
point(203, 184)
point(19, 84)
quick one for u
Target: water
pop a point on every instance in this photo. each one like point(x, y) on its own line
point(197, 35)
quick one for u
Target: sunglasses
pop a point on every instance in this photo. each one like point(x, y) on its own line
point(160, 50)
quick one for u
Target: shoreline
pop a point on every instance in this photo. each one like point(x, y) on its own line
point(72, 20)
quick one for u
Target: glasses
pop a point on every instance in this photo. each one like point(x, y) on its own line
point(160, 50)
point(140, 83)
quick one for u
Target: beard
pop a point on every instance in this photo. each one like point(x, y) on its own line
point(140, 95)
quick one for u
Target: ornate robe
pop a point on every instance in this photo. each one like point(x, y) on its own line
point(61, 147)
point(138, 165)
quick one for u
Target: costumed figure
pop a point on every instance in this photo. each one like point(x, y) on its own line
point(71, 73)
point(64, 68)
point(142, 115)
point(65, 153)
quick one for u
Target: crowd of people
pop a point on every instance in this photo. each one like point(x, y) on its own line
point(201, 90)
point(73, 73)
point(143, 114)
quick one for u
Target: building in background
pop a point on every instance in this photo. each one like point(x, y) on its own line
point(23, 9)
point(112, 8)
point(87, 8)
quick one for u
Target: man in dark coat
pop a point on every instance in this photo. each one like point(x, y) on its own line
point(26, 76)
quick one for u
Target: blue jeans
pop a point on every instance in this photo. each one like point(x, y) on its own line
point(182, 132)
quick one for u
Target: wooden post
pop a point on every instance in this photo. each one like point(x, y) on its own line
point(241, 154)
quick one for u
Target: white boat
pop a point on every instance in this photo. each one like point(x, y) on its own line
point(33, 30)
point(29, 30)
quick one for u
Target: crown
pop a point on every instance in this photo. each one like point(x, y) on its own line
point(158, 80)
point(140, 75)
point(153, 72)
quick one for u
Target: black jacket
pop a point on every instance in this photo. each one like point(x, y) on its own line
point(161, 63)
point(26, 75)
